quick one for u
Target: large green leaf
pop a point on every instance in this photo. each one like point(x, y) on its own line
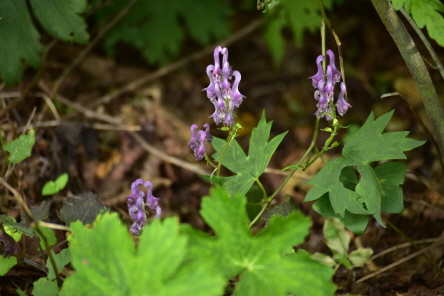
point(338, 195)
point(247, 168)
point(262, 261)
point(107, 262)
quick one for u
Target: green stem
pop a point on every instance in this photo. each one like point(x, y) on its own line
point(290, 174)
point(326, 145)
point(415, 63)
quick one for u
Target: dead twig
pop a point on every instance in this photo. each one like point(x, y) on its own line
point(399, 262)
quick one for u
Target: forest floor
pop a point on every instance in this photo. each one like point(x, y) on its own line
point(117, 120)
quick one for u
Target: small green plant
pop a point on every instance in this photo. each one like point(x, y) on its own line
point(338, 241)
point(53, 187)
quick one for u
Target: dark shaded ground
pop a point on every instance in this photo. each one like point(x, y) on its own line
point(106, 161)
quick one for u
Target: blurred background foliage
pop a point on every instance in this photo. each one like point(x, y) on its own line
point(155, 29)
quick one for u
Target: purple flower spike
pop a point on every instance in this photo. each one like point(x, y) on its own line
point(341, 105)
point(197, 142)
point(136, 205)
point(324, 95)
point(336, 74)
point(320, 75)
point(223, 89)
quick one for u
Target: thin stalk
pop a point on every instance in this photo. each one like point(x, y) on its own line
point(433, 263)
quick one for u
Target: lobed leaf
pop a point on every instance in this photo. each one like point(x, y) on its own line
point(107, 262)
point(247, 168)
point(341, 195)
point(260, 261)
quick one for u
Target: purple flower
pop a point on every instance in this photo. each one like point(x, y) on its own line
point(136, 205)
point(222, 92)
point(336, 74)
point(324, 95)
point(197, 142)
point(320, 75)
point(341, 105)
point(329, 87)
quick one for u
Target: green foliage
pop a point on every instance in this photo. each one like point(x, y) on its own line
point(49, 235)
point(19, 227)
point(45, 287)
point(52, 187)
point(107, 262)
point(299, 15)
point(61, 19)
point(247, 168)
point(61, 259)
point(20, 149)
point(20, 38)
point(40, 212)
point(338, 240)
point(157, 28)
point(337, 189)
point(262, 261)
point(6, 264)
point(84, 207)
point(284, 209)
point(426, 14)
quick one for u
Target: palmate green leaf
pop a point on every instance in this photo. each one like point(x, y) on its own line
point(247, 168)
point(107, 262)
point(376, 190)
point(260, 261)
point(61, 19)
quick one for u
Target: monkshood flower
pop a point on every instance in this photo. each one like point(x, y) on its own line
point(197, 142)
point(136, 205)
point(325, 85)
point(224, 95)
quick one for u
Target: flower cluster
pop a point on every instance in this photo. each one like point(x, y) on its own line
point(324, 94)
point(197, 142)
point(224, 95)
point(136, 205)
